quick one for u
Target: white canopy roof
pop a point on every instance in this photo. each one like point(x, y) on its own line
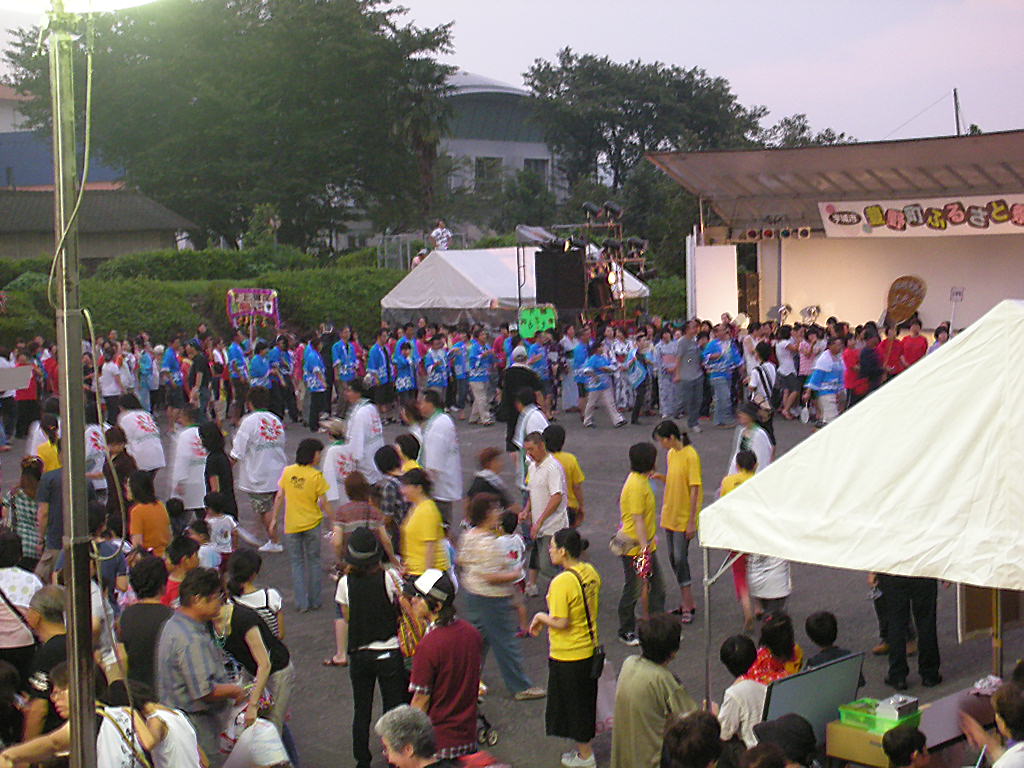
point(474, 279)
point(923, 478)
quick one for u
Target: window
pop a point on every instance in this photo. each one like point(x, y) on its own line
point(538, 166)
point(487, 173)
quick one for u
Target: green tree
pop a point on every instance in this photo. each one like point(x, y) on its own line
point(315, 107)
point(601, 116)
point(526, 199)
point(796, 131)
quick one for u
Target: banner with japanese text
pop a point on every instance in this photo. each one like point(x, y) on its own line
point(925, 217)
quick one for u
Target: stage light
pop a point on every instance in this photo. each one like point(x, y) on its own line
point(613, 210)
point(610, 244)
point(575, 242)
point(636, 244)
point(753, 234)
point(767, 234)
point(556, 244)
point(785, 233)
point(592, 210)
point(803, 233)
point(611, 277)
point(647, 274)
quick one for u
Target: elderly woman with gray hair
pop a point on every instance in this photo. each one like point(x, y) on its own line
point(408, 738)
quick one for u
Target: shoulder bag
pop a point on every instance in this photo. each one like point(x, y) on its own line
point(597, 660)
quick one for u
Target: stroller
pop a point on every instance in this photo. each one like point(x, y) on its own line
point(485, 732)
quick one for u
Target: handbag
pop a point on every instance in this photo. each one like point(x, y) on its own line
point(597, 660)
point(410, 628)
point(764, 406)
point(620, 543)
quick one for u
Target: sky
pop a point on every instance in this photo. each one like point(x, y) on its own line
point(866, 68)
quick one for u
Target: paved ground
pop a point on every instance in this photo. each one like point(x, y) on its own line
point(321, 710)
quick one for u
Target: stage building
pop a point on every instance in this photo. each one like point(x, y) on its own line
point(834, 226)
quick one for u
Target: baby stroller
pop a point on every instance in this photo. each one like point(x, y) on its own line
point(486, 734)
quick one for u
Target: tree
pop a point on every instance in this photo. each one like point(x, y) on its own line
point(525, 199)
point(796, 131)
point(602, 117)
point(315, 107)
point(662, 212)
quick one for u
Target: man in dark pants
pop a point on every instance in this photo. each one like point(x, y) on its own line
point(906, 595)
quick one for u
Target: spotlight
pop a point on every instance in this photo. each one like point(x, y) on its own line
point(636, 244)
point(557, 244)
point(803, 233)
point(575, 242)
point(611, 277)
point(613, 210)
point(767, 234)
point(592, 210)
point(785, 233)
point(647, 274)
point(753, 234)
point(611, 244)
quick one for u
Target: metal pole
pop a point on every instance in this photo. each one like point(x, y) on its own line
point(707, 627)
point(997, 633)
point(72, 401)
point(956, 111)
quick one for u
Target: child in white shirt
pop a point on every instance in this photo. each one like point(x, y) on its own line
point(223, 527)
point(514, 549)
point(209, 557)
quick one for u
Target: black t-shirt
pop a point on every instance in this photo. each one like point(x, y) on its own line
point(218, 465)
point(243, 619)
point(140, 627)
point(47, 656)
point(199, 365)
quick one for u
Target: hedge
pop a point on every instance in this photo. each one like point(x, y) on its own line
point(209, 264)
point(12, 269)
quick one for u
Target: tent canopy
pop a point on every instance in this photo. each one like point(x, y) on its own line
point(923, 478)
point(478, 279)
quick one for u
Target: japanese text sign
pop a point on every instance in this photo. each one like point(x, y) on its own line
point(925, 217)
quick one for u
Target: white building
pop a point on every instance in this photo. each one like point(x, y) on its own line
point(948, 210)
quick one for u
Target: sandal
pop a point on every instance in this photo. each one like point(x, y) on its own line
point(331, 662)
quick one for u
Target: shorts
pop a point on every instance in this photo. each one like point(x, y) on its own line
point(262, 503)
point(382, 394)
point(791, 382)
point(174, 397)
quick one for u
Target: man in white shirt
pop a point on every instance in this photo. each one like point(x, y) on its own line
point(743, 703)
point(547, 504)
point(531, 419)
point(110, 384)
point(440, 453)
point(188, 470)
point(258, 448)
point(441, 236)
point(365, 433)
point(338, 462)
point(142, 433)
point(7, 406)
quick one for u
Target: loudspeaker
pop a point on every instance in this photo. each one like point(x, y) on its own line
point(560, 278)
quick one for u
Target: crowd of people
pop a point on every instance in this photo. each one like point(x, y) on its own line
point(191, 653)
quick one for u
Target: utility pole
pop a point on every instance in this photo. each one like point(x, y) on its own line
point(77, 614)
point(956, 111)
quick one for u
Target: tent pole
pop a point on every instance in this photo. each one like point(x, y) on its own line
point(707, 627)
point(997, 633)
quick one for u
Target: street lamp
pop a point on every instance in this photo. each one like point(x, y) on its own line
point(63, 16)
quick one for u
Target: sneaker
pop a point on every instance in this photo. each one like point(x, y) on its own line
point(881, 649)
point(530, 694)
point(620, 423)
point(575, 760)
point(696, 428)
point(532, 590)
point(271, 546)
point(629, 638)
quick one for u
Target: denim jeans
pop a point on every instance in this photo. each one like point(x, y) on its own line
point(495, 618)
point(690, 394)
point(144, 398)
point(204, 404)
point(679, 556)
point(385, 669)
point(667, 396)
point(723, 400)
point(631, 593)
point(304, 553)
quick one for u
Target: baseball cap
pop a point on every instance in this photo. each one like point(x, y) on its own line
point(519, 353)
point(363, 547)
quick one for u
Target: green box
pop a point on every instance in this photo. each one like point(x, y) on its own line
point(862, 714)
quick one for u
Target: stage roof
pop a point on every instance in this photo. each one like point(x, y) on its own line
point(752, 188)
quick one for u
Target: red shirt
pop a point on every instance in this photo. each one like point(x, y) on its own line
point(170, 598)
point(31, 392)
point(50, 366)
point(447, 668)
point(852, 380)
point(914, 348)
point(890, 352)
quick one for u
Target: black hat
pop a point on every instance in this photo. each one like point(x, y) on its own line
point(363, 548)
point(793, 734)
point(750, 409)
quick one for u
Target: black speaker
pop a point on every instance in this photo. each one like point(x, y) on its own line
point(559, 277)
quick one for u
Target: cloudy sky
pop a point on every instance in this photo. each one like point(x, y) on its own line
point(862, 67)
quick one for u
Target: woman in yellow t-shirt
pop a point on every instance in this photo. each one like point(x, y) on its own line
point(572, 690)
point(49, 451)
point(302, 492)
point(423, 528)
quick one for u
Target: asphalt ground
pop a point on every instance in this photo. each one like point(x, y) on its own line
point(321, 708)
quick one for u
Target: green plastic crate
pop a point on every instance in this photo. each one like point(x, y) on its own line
point(861, 714)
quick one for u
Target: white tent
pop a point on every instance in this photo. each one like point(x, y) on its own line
point(468, 280)
point(923, 478)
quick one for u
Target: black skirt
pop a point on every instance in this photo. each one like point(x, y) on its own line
point(572, 701)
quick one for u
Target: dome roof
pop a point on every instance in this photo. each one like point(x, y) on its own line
point(467, 82)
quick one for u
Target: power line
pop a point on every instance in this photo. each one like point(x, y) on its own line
point(941, 98)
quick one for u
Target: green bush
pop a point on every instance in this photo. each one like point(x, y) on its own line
point(668, 297)
point(364, 257)
point(209, 264)
point(496, 241)
point(11, 269)
point(160, 307)
point(27, 281)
